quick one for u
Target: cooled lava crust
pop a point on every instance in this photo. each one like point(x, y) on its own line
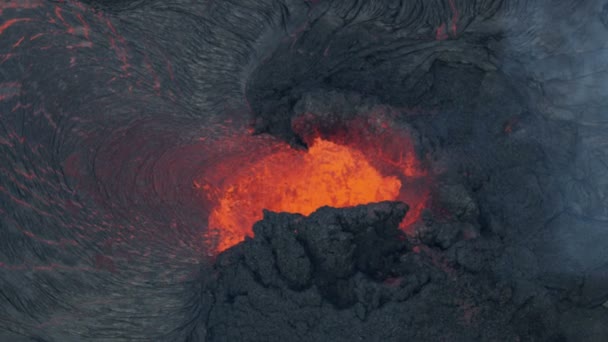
point(433, 170)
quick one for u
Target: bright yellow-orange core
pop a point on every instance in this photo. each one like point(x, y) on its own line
point(297, 182)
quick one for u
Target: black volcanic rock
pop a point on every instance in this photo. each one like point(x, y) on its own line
point(352, 274)
point(325, 249)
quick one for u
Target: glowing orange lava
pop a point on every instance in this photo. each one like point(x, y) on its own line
point(297, 182)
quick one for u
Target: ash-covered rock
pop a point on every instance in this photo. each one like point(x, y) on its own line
point(326, 250)
point(352, 274)
point(456, 218)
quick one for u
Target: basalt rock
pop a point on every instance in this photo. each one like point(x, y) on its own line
point(351, 273)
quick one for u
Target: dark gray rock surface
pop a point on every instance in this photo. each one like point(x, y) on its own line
point(358, 278)
point(110, 112)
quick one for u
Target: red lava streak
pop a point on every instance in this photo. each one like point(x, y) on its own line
point(295, 181)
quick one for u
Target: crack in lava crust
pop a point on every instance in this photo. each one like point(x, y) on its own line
point(296, 181)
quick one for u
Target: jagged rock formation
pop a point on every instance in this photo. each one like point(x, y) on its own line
point(352, 274)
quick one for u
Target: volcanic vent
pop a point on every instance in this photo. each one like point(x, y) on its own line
point(358, 168)
point(328, 174)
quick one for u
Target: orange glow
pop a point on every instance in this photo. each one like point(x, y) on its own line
point(296, 182)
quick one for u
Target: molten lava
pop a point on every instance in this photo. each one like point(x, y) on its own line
point(297, 182)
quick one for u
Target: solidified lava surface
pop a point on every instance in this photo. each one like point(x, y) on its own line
point(299, 170)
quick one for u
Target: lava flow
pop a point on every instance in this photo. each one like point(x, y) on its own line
point(296, 181)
